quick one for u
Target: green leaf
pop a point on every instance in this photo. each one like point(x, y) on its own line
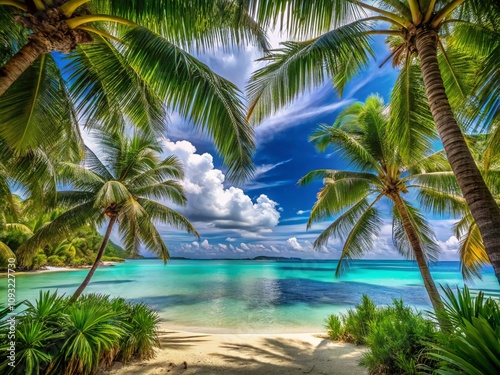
point(212, 103)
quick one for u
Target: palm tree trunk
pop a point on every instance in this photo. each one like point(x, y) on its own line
point(418, 252)
point(21, 61)
point(85, 282)
point(479, 199)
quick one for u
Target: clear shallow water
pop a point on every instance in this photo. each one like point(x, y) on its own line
point(250, 296)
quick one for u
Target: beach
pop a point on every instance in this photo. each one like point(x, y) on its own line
point(188, 353)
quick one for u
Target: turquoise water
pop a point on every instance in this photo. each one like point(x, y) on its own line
point(252, 296)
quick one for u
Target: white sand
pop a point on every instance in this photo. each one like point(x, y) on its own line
point(252, 354)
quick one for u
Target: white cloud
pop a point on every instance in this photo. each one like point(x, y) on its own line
point(210, 202)
point(206, 245)
point(294, 243)
point(302, 212)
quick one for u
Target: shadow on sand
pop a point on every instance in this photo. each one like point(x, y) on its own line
point(247, 354)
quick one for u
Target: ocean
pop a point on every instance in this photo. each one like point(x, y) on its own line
point(252, 296)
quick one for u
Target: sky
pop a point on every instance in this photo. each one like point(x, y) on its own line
point(267, 215)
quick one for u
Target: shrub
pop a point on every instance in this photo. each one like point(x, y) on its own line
point(396, 339)
point(357, 322)
point(39, 260)
point(56, 337)
point(112, 259)
point(56, 261)
point(396, 335)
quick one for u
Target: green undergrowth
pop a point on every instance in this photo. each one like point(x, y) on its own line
point(401, 340)
point(53, 336)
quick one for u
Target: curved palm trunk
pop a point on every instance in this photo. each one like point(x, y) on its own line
point(429, 284)
point(85, 282)
point(21, 61)
point(479, 199)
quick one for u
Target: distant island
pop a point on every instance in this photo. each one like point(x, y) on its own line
point(260, 257)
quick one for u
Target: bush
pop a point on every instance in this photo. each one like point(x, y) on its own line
point(357, 322)
point(56, 261)
point(112, 259)
point(39, 260)
point(56, 337)
point(396, 338)
point(396, 335)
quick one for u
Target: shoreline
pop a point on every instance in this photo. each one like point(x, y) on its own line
point(193, 352)
point(171, 326)
point(49, 269)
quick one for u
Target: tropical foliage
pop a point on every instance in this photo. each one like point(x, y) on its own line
point(449, 47)
point(109, 76)
point(123, 189)
point(56, 337)
point(380, 174)
point(474, 345)
point(395, 335)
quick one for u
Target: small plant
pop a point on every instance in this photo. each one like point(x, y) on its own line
point(335, 328)
point(357, 322)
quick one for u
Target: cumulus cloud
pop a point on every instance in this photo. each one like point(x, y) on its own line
point(294, 243)
point(449, 249)
point(302, 212)
point(210, 202)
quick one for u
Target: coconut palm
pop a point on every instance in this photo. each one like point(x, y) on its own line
point(379, 174)
point(126, 62)
point(433, 33)
point(122, 189)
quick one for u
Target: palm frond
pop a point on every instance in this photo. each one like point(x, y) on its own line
point(171, 167)
point(302, 66)
point(302, 19)
point(35, 98)
point(331, 174)
point(488, 90)
point(434, 162)
point(195, 24)
point(458, 71)
point(336, 196)
point(111, 193)
point(109, 91)
point(440, 202)
point(472, 253)
point(358, 227)
point(348, 146)
point(5, 254)
point(163, 214)
point(171, 190)
point(411, 126)
point(212, 103)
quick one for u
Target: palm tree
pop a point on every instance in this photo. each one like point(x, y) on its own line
point(438, 35)
point(123, 189)
point(361, 136)
point(126, 62)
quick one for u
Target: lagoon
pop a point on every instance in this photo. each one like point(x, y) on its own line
point(253, 296)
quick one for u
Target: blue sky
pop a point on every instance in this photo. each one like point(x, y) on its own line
point(268, 214)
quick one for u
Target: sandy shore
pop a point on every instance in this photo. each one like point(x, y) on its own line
point(252, 354)
point(48, 269)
